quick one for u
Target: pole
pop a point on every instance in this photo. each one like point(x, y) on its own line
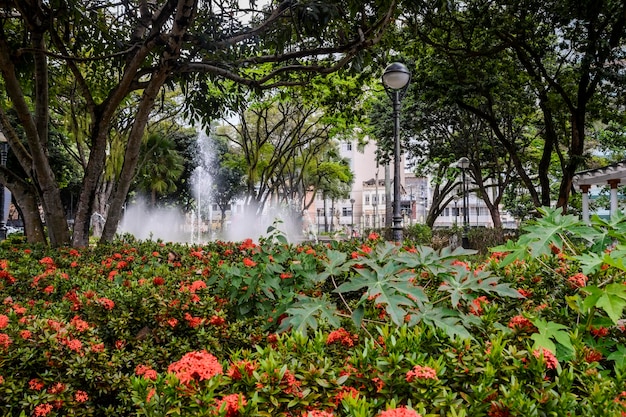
point(4, 148)
point(352, 217)
point(397, 216)
point(465, 239)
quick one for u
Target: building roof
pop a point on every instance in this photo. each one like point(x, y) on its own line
point(601, 175)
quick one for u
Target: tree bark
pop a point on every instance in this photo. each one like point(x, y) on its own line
point(25, 199)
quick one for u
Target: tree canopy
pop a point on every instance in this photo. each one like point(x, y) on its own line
point(88, 58)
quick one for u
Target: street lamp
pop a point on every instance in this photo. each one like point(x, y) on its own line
point(396, 80)
point(463, 164)
point(352, 217)
point(5, 199)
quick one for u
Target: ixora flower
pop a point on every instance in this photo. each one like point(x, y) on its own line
point(318, 413)
point(341, 336)
point(421, 372)
point(196, 366)
point(249, 262)
point(231, 404)
point(4, 321)
point(578, 280)
point(549, 358)
point(42, 410)
point(399, 412)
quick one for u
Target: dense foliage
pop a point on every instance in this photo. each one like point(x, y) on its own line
point(145, 328)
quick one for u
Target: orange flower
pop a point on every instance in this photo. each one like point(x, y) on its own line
point(549, 358)
point(106, 303)
point(578, 280)
point(81, 396)
point(4, 321)
point(249, 262)
point(341, 336)
point(421, 372)
point(35, 384)
point(399, 412)
point(196, 366)
point(231, 404)
point(5, 340)
point(521, 323)
point(42, 410)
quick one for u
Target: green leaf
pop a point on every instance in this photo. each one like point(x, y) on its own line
point(357, 315)
point(306, 312)
point(548, 332)
point(386, 284)
point(444, 319)
point(613, 301)
point(619, 357)
point(464, 284)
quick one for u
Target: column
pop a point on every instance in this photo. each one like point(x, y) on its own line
point(584, 188)
point(614, 183)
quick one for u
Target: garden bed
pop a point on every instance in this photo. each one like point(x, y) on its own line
point(353, 328)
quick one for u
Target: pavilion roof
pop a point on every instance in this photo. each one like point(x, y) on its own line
point(601, 175)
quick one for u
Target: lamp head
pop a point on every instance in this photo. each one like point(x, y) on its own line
point(396, 76)
point(463, 163)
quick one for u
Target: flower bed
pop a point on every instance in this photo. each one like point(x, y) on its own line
point(359, 328)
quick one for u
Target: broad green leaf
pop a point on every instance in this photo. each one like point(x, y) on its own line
point(306, 312)
point(619, 357)
point(444, 319)
point(611, 299)
point(548, 332)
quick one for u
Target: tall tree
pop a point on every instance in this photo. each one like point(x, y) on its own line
point(107, 51)
point(570, 51)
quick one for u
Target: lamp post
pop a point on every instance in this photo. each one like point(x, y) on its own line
point(463, 164)
point(4, 204)
point(396, 80)
point(352, 217)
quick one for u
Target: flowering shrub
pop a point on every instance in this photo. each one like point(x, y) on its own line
point(360, 328)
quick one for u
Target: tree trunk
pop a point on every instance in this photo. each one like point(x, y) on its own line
point(131, 156)
point(35, 161)
point(575, 157)
point(26, 201)
point(185, 10)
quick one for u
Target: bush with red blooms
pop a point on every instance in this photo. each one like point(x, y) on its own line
point(154, 329)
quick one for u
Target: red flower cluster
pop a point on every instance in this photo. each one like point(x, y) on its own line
point(146, 371)
point(341, 336)
point(81, 396)
point(231, 404)
point(196, 366)
point(421, 372)
point(42, 410)
point(477, 305)
point(236, 368)
point(592, 355)
point(5, 340)
point(106, 303)
point(521, 323)
point(578, 280)
point(548, 357)
point(4, 321)
point(345, 392)
point(599, 332)
point(247, 244)
point(249, 262)
point(399, 412)
point(318, 413)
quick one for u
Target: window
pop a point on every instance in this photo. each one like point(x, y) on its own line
point(349, 146)
point(346, 211)
point(367, 198)
point(320, 212)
